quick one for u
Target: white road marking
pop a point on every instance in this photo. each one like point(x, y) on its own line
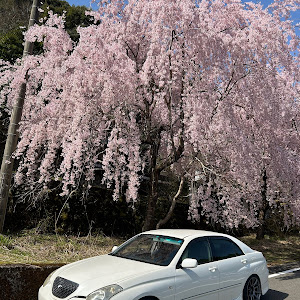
point(284, 272)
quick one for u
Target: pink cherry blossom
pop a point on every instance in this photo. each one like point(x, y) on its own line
point(209, 89)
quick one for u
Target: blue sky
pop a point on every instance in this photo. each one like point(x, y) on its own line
point(80, 2)
point(87, 3)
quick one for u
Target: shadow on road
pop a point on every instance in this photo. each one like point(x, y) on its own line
point(274, 295)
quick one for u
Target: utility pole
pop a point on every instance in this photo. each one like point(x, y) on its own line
point(13, 134)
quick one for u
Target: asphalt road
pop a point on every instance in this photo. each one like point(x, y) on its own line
point(283, 287)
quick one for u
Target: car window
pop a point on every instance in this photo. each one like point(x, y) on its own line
point(223, 248)
point(197, 249)
point(154, 249)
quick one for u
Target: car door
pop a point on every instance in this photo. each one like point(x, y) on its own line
point(232, 265)
point(201, 282)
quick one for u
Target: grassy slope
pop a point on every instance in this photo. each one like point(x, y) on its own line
point(276, 250)
point(32, 248)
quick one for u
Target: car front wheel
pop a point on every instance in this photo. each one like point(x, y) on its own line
point(252, 289)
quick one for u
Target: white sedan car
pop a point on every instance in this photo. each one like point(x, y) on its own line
point(167, 264)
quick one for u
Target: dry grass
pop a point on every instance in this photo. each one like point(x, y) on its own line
point(276, 250)
point(32, 248)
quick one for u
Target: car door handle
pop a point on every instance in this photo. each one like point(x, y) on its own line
point(212, 269)
point(244, 260)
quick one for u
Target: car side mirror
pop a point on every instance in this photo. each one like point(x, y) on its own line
point(189, 263)
point(114, 248)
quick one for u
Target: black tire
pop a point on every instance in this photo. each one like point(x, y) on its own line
point(252, 289)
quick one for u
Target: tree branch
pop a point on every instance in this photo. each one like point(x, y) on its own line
point(172, 207)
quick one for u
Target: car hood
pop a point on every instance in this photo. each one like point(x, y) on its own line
point(96, 272)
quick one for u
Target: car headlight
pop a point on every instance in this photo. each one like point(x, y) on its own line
point(48, 279)
point(105, 293)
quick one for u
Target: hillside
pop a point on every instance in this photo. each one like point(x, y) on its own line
point(13, 13)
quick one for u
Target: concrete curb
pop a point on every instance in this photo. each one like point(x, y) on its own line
point(23, 281)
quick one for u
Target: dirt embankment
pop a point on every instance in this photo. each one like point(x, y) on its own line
point(22, 281)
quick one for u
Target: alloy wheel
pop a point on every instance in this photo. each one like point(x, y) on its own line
point(253, 290)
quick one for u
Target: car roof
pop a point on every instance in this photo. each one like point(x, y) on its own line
point(183, 233)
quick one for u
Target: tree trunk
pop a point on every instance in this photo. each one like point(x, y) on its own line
point(13, 135)
point(153, 190)
point(261, 230)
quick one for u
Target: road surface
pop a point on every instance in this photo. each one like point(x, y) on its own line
point(284, 286)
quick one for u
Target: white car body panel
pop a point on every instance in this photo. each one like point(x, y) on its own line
point(223, 279)
point(107, 269)
point(233, 274)
point(201, 282)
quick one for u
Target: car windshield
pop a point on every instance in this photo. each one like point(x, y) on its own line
point(153, 249)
